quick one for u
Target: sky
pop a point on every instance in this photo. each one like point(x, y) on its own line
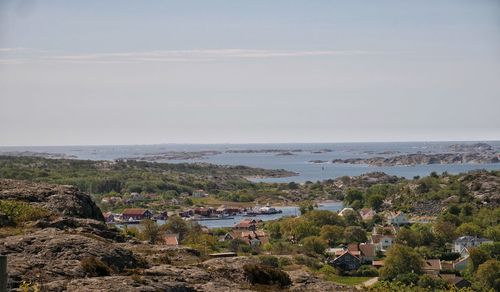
point(223, 71)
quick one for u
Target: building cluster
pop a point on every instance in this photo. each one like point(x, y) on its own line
point(350, 257)
point(248, 231)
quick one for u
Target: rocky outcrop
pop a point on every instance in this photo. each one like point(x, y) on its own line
point(82, 226)
point(54, 255)
point(420, 158)
point(58, 199)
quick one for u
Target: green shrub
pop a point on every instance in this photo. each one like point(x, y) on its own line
point(20, 212)
point(94, 267)
point(283, 261)
point(266, 275)
point(268, 260)
point(307, 261)
point(365, 271)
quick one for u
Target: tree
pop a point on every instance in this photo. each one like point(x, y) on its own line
point(305, 207)
point(407, 237)
point(352, 195)
point(150, 231)
point(324, 217)
point(351, 217)
point(469, 229)
point(488, 275)
point(445, 231)
point(314, 244)
point(355, 234)
point(332, 234)
point(477, 256)
point(376, 201)
point(175, 224)
point(401, 260)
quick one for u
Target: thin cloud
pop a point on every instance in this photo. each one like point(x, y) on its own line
point(206, 55)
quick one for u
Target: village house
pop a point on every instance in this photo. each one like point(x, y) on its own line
point(397, 218)
point(382, 242)
point(366, 251)
point(186, 213)
point(108, 217)
point(431, 266)
point(346, 261)
point(468, 241)
point(171, 239)
point(161, 216)
point(224, 210)
point(136, 214)
point(247, 224)
point(251, 237)
point(461, 263)
point(202, 211)
point(455, 280)
point(378, 264)
point(367, 213)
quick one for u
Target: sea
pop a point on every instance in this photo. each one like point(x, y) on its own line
point(299, 162)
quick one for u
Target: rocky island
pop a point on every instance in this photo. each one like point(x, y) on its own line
point(173, 155)
point(421, 158)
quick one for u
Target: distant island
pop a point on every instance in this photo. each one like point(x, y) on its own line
point(479, 153)
point(174, 155)
point(37, 154)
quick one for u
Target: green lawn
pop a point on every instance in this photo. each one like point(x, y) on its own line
point(347, 280)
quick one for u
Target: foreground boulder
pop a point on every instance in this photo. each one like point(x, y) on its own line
point(59, 199)
point(53, 255)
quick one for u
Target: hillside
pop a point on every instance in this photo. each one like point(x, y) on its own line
point(55, 240)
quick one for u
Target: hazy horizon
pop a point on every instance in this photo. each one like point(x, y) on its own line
point(212, 72)
point(252, 143)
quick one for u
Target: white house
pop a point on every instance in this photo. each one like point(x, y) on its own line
point(398, 218)
point(468, 241)
point(383, 241)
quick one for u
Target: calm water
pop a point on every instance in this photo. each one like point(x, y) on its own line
point(299, 162)
point(287, 211)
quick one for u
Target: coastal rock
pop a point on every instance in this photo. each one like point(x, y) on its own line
point(51, 255)
point(83, 226)
point(424, 159)
point(59, 199)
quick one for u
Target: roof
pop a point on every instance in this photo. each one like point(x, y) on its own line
point(134, 211)
point(171, 239)
point(452, 278)
point(468, 238)
point(367, 249)
point(432, 264)
point(376, 238)
point(347, 253)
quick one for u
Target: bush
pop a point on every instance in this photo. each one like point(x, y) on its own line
point(266, 275)
point(94, 267)
point(268, 260)
point(307, 261)
point(366, 271)
point(283, 261)
point(20, 212)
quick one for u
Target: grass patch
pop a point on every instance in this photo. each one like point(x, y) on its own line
point(21, 212)
point(347, 280)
